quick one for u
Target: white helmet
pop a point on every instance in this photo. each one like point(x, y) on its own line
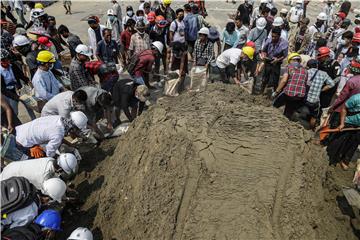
point(38, 12)
point(322, 16)
point(68, 162)
point(54, 188)
point(79, 119)
point(284, 11)
point(159, 46)
point(278, 21)
point(264, 1)
point(261, 23)
point(204, 31)
point(84, 50)
point(81, 234)
point(110, 12)
point(20, 40)
point(299, 1)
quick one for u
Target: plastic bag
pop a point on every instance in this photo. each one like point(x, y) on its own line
point(171, 87)
point(198, 76)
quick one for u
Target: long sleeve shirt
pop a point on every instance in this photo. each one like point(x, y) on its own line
point(61, 105)
point(44, 130)
point(45, 84)
point(351, 88)
point(279, 49)
point(79, 75)
point(230, 39)
point(203, 50)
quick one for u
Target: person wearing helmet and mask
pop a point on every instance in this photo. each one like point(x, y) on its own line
point(229, 59)
point(279, 22)
point(114, 24)
point(23, 45)
point(319, 26)
point(300, 41)
point(258, 34)
point(204, 49)
point(64, 103)
point(332, 68)
point(46, 168)
point(49, 130)
point(38, 18)
point(166, 11)
point(151, 19)
point(78, 73)
point(140, 16)
point(44, 43)
point(158, 33)
point(295, 15)
point(107, 50)
point(81, 234)
point(125, 39)
point(145, 63)
point(117, 13)
point(344, 51)
point(126, 94)
point(292, 87)
point(129, 15)
point(95, 32)
point(140, 40)
point(45, 84)
point(283, 15)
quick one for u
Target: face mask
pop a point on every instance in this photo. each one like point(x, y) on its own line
point(298, 5)
point(342, 41)
point(111, 18)
point(140, 18)
point(130, 13)
point(51, 66)
point(141, 32)
point(181, 18)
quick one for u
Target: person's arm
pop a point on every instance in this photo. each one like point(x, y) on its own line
point(125, 106)
point(329, 83)
point(9, 113)
point(344, 95)
point(107, 115)
point(210, 53)
point(342, 118)
point(282, 83)
point(218, 43)
point(53, 144)
point(141, 107)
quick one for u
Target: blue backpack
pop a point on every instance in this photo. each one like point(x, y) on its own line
point(192, 26)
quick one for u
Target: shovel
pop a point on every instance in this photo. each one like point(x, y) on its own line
point(324, 131)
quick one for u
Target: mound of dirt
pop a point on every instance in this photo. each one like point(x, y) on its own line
point(217, 164)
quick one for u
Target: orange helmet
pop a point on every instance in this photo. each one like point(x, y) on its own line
point(151, 17)
point(250, 44)
point(356, 37)
point(160, 21)
point(323, 52)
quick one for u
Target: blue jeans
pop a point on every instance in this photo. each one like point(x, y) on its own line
point(11, 152)
point(139, 80)
point(15, 107)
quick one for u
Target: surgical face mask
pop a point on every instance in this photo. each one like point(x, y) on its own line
point(51, 66)
point(141, 32)
point(140, 18)
point(112, 18)
point(130, 13)
point(181, 18)
point(298, 5)
point(342, 41)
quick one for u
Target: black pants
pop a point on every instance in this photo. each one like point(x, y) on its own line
point(291, 104)
point(271, 75)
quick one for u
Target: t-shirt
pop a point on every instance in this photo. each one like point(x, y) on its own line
point(179, 30)
point(353, 107)
point(231, 55)
point(295, 14)
point(98, 34)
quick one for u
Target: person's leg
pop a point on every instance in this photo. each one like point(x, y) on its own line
point(292, 104)
point(164, 60)
point(266, 77)
point(276, 69)
point(14, 105)
point(10, 15)
point(157, 70)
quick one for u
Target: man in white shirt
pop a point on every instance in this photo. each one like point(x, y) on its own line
point(64, 103)
point(19, 8)
point(117, 12)
point(295, 14)
point(319, 25)
point(177, 27)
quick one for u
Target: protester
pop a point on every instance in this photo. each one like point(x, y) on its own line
point(72, 40)
point(114, 25)
point(107, 50)
point(204, 49)
point(140, 40)
point(95, 32)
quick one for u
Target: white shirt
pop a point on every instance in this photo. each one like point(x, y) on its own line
point(21, 217)
point(18, 4)
point(231, 55)
point(45, 85)
point(179, 31)
point(44, 130)
point(117, 10)
point(61, 105)
point(313, 30)
point(92, 38)
point(295, 14)
point(35, 170)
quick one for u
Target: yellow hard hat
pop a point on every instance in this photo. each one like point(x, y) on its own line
point(45, 57)
point(293, 55)
point(166, 2)
point(39, 5)
point(249, 52)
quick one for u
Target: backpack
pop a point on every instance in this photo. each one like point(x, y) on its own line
point(133, 61)
point(16, 193)
point(28, 232)
point(192, 26)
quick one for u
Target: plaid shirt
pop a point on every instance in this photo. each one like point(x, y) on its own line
point(204, 50)
point(316, 84)
point(296, 85)
point(93, 66)
point(79, 75)
point(138, 43)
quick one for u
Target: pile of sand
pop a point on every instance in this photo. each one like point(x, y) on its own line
point(211, 165)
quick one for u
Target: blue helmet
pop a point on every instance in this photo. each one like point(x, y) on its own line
point(50, 219)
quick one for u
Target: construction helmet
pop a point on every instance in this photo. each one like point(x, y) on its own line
point(261, 23)
point(323, 52)
point(45, 56)
point(110, 12)
point(84, 50)
point(38, 12)
point(160, 21)
point(4, 54)
point(39, 5)
point(356, 37)
point(341, 15)
point(299, 1)
point(20, 40)
point(166, 2)
point(49, 219)
point(284, 11)
point(249, 52)
point(68, 163)
point(322, 16)
point(293, 56)
point(159, 46)
point(81, 234)
point(151, 16)
point(355, 66)
point(204, 31)
point(54, 188)
point(79, 119)
point(278, 21)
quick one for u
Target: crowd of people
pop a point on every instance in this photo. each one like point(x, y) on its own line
point(308, 68)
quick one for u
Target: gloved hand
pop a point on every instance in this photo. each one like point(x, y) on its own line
point(37, 152)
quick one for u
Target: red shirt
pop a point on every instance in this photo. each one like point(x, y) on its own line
point(125, 38)
point(351, 88)
point(146, 60)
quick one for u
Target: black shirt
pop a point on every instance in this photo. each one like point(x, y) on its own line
point(245, 12)
point(98, 34)
point(108, 52)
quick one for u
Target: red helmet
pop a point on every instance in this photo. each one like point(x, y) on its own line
point(160, 21)
point(250, 44)
point(356, 37)
point(341, 15)
point(323, 52)
point(151, 16)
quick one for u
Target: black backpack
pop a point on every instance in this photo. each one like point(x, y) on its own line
point(28, 232)
point(16, 193)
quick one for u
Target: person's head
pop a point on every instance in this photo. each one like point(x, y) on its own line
point(356, 39)
point(261, 23)
point(263, 4)
point(81, 234)
point(51, 20)
point(53, 189)
point(107, 35)
point(39, 6)
point(93, 22)
point(104, 100)
point(230, 27)
point(180, 14)
point(265, 12)
point(214, 34)
point(294, 58)
point(346, 23)
point(187, 8)
point(273, 11)
point(63, 31)
point(66, 163)
point(161, 23)
point(203, 34)
point(195, 9)
point(278, 22)
point(77, 125)
point(142, 93)
point(355, 66)
point(147, 7)
point(50, 222)
point(21, 44)
point(130, 25)
point(275, 34)
point(129, 11)
point(357, 19)
point(151, 17)
point(140, 27)
point(321, 42)
point(140, 13)
point(178, 50)
point(283, 12)
point(247, 53)
point(83, 53)
point(320, 19)
point(79, 98)
point(45, 60)
point(299, 4)
point(157, 47)
point(312, 63)
point(4, 58)
point(238, 21)
point(166, 3)
point(323, 54)
point(44, 43)
point(304, 23)
point(347, 38)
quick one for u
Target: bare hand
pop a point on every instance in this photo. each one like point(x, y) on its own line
point(341, 127)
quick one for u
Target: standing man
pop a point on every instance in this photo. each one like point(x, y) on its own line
point(140, 41)
point(95, 31)
point(117, 12)
point(71, 39)
point(296, 13)
point(67, 6)
point(300, 41)
point(125, 38)
point(19, 8)
point(107, 50)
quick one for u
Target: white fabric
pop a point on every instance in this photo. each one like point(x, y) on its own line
point(231, 55)
point(179, 34)
point(61, 105)
point(34, 170)
point(92, 38)
point(117, 10)
point(21, 217)
point(18, 4)
point(44, 130)
point(45, 84)
point(295, 14)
